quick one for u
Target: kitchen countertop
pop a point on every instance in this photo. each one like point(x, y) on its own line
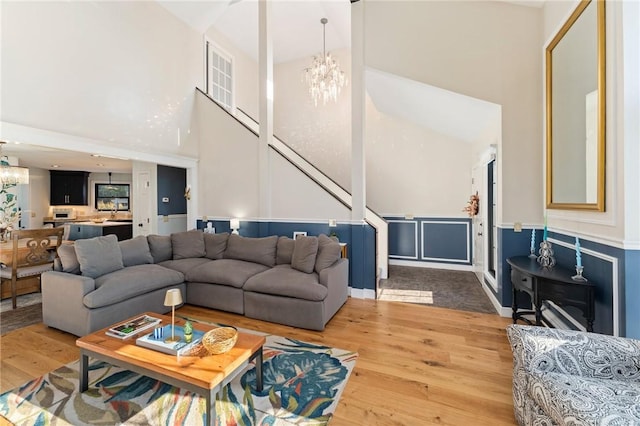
point(106, 223)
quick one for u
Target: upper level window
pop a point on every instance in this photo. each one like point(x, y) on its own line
point(219, 75)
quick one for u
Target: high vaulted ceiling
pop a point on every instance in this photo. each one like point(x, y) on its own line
point(297, 31)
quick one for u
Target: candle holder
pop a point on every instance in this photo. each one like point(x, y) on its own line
point(533, 254)
point(546, 259)
point(578, 276)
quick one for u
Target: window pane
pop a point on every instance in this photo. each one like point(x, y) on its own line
point(227, 68)
point(228, 83)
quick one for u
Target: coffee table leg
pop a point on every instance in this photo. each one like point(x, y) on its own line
point(211, 407)
point(84, 372)
point(259, 370)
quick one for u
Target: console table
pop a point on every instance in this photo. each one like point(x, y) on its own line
point(554, 284)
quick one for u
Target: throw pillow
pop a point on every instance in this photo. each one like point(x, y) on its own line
point(257, 250)
point(329, 252)
point(160, 247)
point(135, 251)
point(68, 259)
point(98, 256)
point(187, 244)
point(215, 245)
point(304, 254)
point(285, 250)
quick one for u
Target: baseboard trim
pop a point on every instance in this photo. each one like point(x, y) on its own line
point(434, 265)
point(503, 311)
point(362, 293)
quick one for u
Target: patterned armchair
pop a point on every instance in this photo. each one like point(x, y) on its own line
point(563, 377)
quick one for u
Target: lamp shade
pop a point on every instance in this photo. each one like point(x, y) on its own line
point(173, 297)
point(234, 224)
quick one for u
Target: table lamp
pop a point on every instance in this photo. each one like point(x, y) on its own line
point(234, 224)
point(172, 298)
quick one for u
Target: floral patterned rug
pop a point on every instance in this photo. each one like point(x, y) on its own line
point(302, 386)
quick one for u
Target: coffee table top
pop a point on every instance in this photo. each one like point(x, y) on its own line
point(202, 371)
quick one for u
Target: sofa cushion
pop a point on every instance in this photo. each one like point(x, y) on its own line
point(304, 254)
point(215, 245)
point(68, 259)
point(98, 256)
point(160, 247)
point(229, 272)
point(258, 250)
point(135, 251)
point(184, 265)
point(130, 282)
point(329, 252)
point(572, 399)
point(187, 244)
point(284, 250)
point(283, 280)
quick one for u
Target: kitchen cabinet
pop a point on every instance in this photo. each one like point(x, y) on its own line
point(83, 230)
point(69, 188)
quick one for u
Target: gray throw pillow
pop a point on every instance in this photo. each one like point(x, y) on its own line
point(329, 252)
point(68, 259)
point(304, 254)
point(98, 256)
point(215, 245)
point(160, 247)
point(135, 251)
point(285, 250)
point(187, 244)
point(257, 250)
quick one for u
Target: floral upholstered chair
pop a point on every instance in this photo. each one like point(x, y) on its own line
point(563, 377)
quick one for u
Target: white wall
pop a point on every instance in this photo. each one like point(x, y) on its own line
point(120, 72)
point(295, 196)
point(487, 50)
point(228, 169)
point(321, 134)
point(414, 170)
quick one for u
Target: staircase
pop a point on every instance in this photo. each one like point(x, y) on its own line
point(323, 181)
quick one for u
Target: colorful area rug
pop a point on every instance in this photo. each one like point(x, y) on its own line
point(302, 385)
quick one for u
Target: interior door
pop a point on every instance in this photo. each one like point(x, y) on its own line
point(477, 185)
point(142, 206)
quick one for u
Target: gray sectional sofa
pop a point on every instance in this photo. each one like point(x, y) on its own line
point(101, 281)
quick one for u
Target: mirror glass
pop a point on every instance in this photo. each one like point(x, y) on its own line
point(575, 111)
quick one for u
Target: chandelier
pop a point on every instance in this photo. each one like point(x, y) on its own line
point(324, 77)
point(11, 175)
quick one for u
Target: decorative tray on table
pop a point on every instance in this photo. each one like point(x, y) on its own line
point(172, 348)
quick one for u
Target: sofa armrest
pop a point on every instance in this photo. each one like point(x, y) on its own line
point(338, 272)
point(574, 352)
point(62, 300)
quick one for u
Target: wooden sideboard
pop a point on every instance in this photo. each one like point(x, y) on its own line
point(554, 284)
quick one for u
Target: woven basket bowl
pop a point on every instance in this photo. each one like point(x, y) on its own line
point(220, 340)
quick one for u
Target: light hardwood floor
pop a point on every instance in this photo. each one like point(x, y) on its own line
point(417, 365)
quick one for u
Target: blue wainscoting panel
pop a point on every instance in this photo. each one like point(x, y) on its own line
point(446, 241)
point(404, 244)
point(632, 293)
point(425, 239)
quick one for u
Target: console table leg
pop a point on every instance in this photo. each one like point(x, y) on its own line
point(538, 315)
point(84, 372)
point(590, 326)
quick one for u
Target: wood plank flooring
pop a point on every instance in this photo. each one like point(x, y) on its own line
point(417, 364)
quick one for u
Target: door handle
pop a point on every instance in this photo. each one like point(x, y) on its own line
point(480, 233)
point(140, 225)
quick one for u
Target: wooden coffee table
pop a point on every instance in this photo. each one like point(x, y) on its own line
point(205, 375)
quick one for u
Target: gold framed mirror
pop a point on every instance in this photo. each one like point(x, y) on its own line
point(575, 111)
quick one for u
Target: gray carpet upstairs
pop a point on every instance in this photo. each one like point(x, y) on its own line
point(436, 287)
